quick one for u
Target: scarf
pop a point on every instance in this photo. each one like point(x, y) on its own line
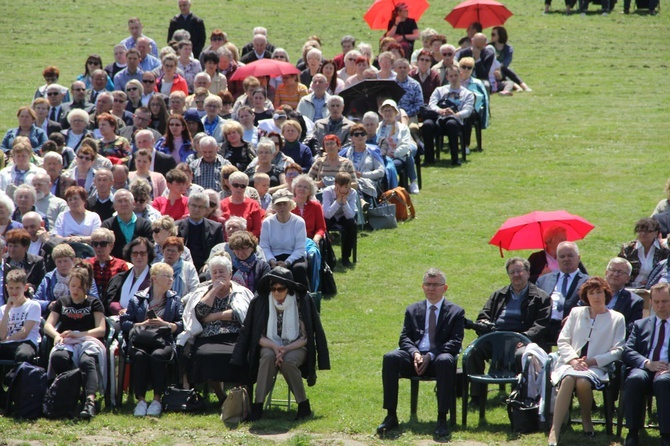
point(244, 274)
point(132, 286)
point(178, 285)
point(61, 287)
point(291, 322)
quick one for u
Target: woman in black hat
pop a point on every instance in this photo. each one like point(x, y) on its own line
point(282, 331)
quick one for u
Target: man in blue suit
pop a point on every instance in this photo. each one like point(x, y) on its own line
point(630, 305)
point(431, 338)
point(563, 286)
point(646, 354)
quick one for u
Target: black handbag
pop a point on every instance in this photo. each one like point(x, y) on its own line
point(149, 338)
point(382, 216)
point(524, 415)
point(327, 286)
point(182, 400)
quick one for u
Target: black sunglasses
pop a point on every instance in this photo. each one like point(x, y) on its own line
point(157, 230)
point(239, 186)
point(99, 244)
point(359, 134)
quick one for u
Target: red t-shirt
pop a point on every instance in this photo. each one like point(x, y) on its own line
point(250, 210)
point(178, 210)
point(312, 213)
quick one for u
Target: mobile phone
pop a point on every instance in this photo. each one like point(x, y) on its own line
point(151, 314)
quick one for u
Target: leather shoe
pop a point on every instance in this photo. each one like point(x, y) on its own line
point(390, 422)
point(441, 429)
point(590, 434)
point(632, 439)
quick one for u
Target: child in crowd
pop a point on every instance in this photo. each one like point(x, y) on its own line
point(262, 185)
point(19, 320)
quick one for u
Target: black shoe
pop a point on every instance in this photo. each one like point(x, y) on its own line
point(346, 263)
point(626, 11)
point(427, 163)
point(256, 412)
point(632, 439)
point(304, 411)
point(590, 434)
point(88, 411)
point(456, 164)
point(441, 429)
point(390, 422)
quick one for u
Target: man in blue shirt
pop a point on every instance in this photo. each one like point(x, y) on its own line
point(135, 28)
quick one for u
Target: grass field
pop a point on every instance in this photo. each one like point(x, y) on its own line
point(591, 138)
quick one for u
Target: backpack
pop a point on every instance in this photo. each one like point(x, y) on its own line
point(62, 399)
point(403, 203)
point(27, 386)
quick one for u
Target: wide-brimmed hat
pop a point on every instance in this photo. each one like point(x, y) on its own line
point(390, 103)
point(283, 276)
point(282, 195)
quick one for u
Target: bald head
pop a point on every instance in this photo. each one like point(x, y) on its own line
point(32, 222)
point(479, 40)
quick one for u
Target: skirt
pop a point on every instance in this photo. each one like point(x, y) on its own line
point(210, 359)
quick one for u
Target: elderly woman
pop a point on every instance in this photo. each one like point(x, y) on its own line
point(159, 113)
point(134, 94)
point(22, 171)
point(645, 252)
point(112, 146)
point(77, 224)
point(592, 338)
point(307, 207)
point(235, 149)
point(216, 40)
point(152, 309)
point(283, 237)
point(386, 60)
point(290, 91)
point(291, 172)
point(50, 75)
point(214, 210)
point(396, 142)
point(214, 314)
point(240, 205)
point(143, 165)
point(139, 252)
point(335, 84)
point(170, 81)
point(78, 120)
point(282, 332)
point(248, 268)
point(104, 265)
point(325, 168)
point(83, 172)
point(185, 275)
point(25, 197)
point(313, 59)
point(7, 208)
point(246, 117)
point(545, 261)
point(119, 108)
point(367, 163)
point(177, 140)
point(293, 148)
point(162, 229)
point(265, 152)
point(55, 283)
point(233, 224)
point(81, 323)
point(27, 119)
point(141, 190)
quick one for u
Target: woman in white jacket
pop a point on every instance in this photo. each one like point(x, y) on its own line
point(592, 338)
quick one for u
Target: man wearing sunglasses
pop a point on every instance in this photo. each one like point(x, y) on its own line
point(448, 52)
point(126, 225)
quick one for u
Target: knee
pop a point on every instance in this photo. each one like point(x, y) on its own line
point(583, 385)
point(87, 363)
point(267, 354)
point(444, 361)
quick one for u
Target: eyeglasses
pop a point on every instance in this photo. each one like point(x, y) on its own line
point(53, 93)
point(196, 206)
point(142, 119)
point(448, 54)
point(100, 244)
point(51, 78)
point(279, 56)
point(217, 39)
point(138, 253)
point(199, 102)
point(131, 89)
point(84, 158)
point(432, 285)
point(618, 272)
point(423, 59)
point(148, 81)
point(239, 186)
point(359, 134)
point(351, 59)
point(292, 174)
point(466, 67)
point(278, 289)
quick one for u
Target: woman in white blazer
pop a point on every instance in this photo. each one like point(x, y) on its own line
point(592, 338)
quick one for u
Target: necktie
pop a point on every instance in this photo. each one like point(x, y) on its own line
point(52, 116)
point(564, 287)
point(432, 321)
point(659, 345)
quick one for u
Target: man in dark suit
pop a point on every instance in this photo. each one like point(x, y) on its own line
point(191, 23)
point(160, 162)
point(646, 354)
point(126, 225)
point(431, 338)
point(259, 52)
point(55, 94)
point(629, 304)
point(484, 55)
point(141, 120)
point(98, 85)
point(101, 201)
point(563, 286)
point(53, 164)
point(199, 233)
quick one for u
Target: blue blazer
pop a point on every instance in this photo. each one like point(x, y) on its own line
point(548, 282)
point(638, 346)
point(448, 331)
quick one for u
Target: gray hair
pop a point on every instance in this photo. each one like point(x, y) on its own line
point(260, 30)
point(447, 46)
point(103, 234)
point(513, 260)
point(621, 261)
point(335, 98)
point(281, 51)
point(209, 140)
point(571, 245)
point(371, 115)
point(224, 52)
point(348, 39)
point(124, 191)
point(355, 53)
point(145, 132)
point(314, 52)
point(77, 113)
point(26, 188)
point(304, 178)
point(200, 197)
point(166, 223)
point(434, 272)
point(202, 75)
point(240, 176)
point(9, 204)
point(234, 219)
point(104, 171)
point(140, 187)
point(427, 33)
point(181, 34)
point(265, 143)
point(219, 260)
point(56, 155)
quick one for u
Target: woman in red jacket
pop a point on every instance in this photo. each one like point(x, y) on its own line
point(171, 81)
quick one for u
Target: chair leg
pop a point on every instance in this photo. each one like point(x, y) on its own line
point(464, 402)
point(608, 403)
point(478, 133)
point(414, 397)
point(619, 418)
point(452, 410)
point(482, 402)
point(417, 164)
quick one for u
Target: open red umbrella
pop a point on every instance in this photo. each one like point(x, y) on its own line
point(264, 67)
point(379, 14)
point(487, 12)
point(525, 231)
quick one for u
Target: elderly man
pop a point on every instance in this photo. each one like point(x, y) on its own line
point(484, 56)
point(55, 94)
point(188, 21)
point(104, 265)
point(119, 177)
point(646, 354)
point(98, 85)
point(313, 106)
point(563, 286)
point(259, 52)
point(212, 122)
point(148, 83)
point(18, 242)
point(47, 203)
point(103, 104)
point(413, 97)
point(135, 27)
point(425, 75)
point(630, 305)
point(207, 169)
point(448, 52)
point(201, 80)
point(78, 89)
point(199, 233)
point(126, 226)
point(335, 124)
point(160, 162)
point(347, 43)
point(53, 164)
point(454, 105)
point(101, 201)
point(40, 245)
point(520, 307)
point(249, 47)
point(148, 61)
point(132, 70)
point(25, 197)
point(431, 338)
point(141, 121)
point(177, 102)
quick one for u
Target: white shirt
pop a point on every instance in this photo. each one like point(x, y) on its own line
point(29, 311)
point(646, 263)
point(424, 345)
point(557, 297)
point(67, 226)
point(35, 247)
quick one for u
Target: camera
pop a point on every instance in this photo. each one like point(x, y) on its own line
point(481, 327)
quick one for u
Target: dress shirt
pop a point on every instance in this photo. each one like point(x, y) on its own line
point(558, 299)
point(424, 345)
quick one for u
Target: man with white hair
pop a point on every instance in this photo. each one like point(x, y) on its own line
point(160, 162)
point(53, 165)
point(135, 27)
point(125, 225)
point(260, 43)
point(25, 197)
point(98, 85)
point(201, 80)
point(249, 47)
point(101, 201)
point(39, 239)
point(448, 53)
point(484, 56)
point(141, 121)
point(629, 304)
point(207, 169)
point(313, 106)
point(188, 21)
point(47, 203)
point(335, 123)
point(212, 122)
point(55, 94)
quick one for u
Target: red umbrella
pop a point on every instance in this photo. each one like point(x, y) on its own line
point(487, 12)
point(379, 14)
point(264, 67)
point(525, 232)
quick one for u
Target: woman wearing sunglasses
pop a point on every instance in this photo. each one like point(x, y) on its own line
point(240, 205)
point(104, 265)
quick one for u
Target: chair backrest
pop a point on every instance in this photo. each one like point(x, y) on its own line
point(503, 347)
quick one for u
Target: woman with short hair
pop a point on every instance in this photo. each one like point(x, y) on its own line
point(104, 265)
point(171, 80)
point(235, 149)
point(325, 167)
point(266, 150)
point(134, 90)
point(83, 172)
point(162, 229)
point(114, 147)
point(77, 224)
point(143, 170)
point(27, 127)
point(75, 135)
point(141, 190)
point(240, 205)
point(645, 252)
point(369, 166)
point(140, 253)
point(396, 142)
point(248, 268)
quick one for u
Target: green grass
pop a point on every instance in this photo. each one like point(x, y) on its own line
point(591, 138)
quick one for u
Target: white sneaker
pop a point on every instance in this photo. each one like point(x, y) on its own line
point(413, 188)
point(140, 409)
point(154, 409)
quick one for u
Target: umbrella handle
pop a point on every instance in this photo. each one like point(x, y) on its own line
point(500, 248)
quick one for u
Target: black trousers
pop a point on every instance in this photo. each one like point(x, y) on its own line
point(349, 233)
point(150, 367)
point(61, 361)
point(451, 128)
point(18, 351)
point(400, 364)
point(638, 385)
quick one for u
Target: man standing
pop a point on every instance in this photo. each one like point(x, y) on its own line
point(101, 201)
point(191, 23)
point(47, 203)
point(431, 338)
point(135, 28)
point(132, 70)
point(207, 169)
point(563, 286)
point(313, 105)
point(199, 233)
point(646, 353)
point(160, 162)
point(126, 226)
point(630, 305)
point(521, 307)
point(335, 124)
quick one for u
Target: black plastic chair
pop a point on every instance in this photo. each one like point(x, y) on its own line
point(502, 366)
